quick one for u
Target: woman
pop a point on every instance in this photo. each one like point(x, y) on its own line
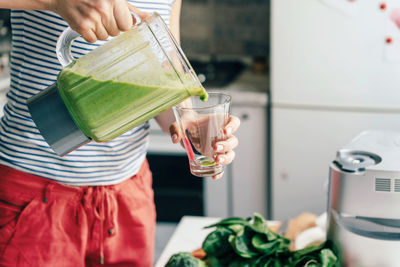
point(94, 205)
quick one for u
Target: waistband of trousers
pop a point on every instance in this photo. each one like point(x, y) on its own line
point(29, 184)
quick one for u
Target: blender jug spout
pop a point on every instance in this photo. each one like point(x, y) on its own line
point(54, 122)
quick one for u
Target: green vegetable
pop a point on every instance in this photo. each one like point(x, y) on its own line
point(217, 242)
point(246, 242)
point(184, 259)
point(230, 221)
point(327, 257)
point(238, 242)
point(241, 243)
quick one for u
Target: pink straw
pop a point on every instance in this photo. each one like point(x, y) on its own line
point(188, 148)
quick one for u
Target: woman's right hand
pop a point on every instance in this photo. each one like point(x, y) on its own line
point(97, 19)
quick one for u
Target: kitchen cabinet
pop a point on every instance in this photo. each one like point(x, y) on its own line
point(245, 187)
point(248, 174)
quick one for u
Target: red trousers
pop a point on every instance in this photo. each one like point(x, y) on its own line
point(47, 224)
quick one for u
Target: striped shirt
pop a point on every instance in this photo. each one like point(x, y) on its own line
point(34, 66)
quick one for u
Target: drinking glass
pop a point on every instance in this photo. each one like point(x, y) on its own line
point(202, 125)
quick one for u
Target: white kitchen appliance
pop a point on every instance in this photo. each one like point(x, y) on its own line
point(335, 72)
point(364, 200)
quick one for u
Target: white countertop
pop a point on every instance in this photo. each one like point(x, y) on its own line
point(248, 89)
point(188, 236)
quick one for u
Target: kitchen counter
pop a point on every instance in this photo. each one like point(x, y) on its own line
point(188, 236)
point(248, 89)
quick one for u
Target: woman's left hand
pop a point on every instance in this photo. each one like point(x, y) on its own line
point(223, 149)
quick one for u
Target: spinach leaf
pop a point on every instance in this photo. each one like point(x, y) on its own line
point(240, 263)
point(327, 257)
point(315, 255)
point(184, 259)
point(241, 243)
point(217, 242)
point(264, 261)
point(236, 227)
point(223, 260)
point(260, 226)
point(273, 262)
point(250, 243)
point(311, 263)
point(214, 261)
point(307, 251)
point(261, 244)
point(230, 221)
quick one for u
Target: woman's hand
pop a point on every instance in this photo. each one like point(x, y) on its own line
point(222, 149)
point(96, 19)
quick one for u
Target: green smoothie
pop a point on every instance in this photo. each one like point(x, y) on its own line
point(105, 109)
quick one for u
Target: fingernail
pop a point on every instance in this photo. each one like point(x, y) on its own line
point(174, 137)
point(221, 160)
point(220, 147)
point(228, 130)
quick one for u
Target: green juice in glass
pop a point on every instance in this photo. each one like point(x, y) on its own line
point(105, 109)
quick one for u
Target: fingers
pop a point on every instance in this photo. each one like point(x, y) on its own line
point(175, 133)
point(226, 158)
point(122, 15)
point(218, 176)
point(232, 125)
point(100, 31)
point(88, 35)
point(110, 23)
point(81, 21)
point(224, 148)
point(98, 19)
point(226, 145)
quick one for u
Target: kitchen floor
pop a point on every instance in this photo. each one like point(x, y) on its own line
point(164, 231)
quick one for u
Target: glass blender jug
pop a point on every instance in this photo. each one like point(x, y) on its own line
point(117, 86)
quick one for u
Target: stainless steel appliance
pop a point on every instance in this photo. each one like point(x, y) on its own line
point(364, 200)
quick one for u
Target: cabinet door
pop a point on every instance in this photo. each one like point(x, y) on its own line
point(248, 171)
point(304, 143)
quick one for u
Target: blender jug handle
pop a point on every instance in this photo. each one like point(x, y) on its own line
point(137, 18)
point(63, 47)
